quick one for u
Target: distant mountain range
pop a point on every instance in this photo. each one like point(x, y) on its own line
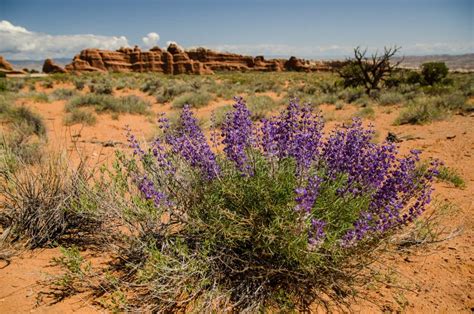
point(463, 62)
point(454, 62)
point(37, 64)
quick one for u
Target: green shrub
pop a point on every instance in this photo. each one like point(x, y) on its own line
point(220, 114)
point(79, 84)
point(127, 104)
point(274, 222)
point(434, 72)
point(42, 204)
point(261, 106)
point(102, 88)
point(414, 77)
point(38, 97)
point(366, 112)
point(172, 90)
point(391, 98)
point(195, 99)
point(63, 94)
point(79, 116)
point(351, 94)
point(420, 111)
point(450, 175)
point(454, 101)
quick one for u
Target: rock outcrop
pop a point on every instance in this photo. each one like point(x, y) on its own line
point(7, 68)
point(175, 60)
point(50, 67)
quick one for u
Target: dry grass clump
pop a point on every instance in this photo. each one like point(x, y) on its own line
point(106, 103)
point(43, 204)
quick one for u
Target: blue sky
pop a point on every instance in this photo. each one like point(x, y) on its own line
point(315, 29)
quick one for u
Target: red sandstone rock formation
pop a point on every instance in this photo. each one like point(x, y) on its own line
point(50, 67)
point(174, 60)
point(7, 68)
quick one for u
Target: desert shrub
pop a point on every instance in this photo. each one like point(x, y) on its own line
point(261, 106)
point(76, 116)
point(363, 101)
point(366, 112)
point(414, 77)
point(24, 115)
point(104, 88)
point(38, 97)
point(24, 133)
point(14, 85)
point(47, 84)
point(172, 90)
point(151, 86)
point(450, 175)
point(63, 94)
point(433, 72)
point(391, 98)
point(329, 99)
point(220, 114)
point(126, 104)
point(3, 84)
point(79, 84)
point(196, 99)
point(351, 94)
point(42, 204)
point(284, 216)
point(453, 101)
point(420, 111)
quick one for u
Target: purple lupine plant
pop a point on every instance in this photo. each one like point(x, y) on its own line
point(306, 196)
point(316, 233)
point(189, 142)
point(397, 193)
point(295, 133)
point(238, 136)
point(149, 191)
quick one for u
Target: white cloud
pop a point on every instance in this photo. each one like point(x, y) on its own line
point(151, 39)
point(17, 42)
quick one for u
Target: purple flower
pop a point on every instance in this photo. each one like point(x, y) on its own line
point(306, 197)
point(295, 133)
point(316, 234)
point(149, 191)
point(191, 144)
point(237, 132)
point(133, 143)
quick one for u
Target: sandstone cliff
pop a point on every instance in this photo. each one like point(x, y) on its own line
point(174, 60)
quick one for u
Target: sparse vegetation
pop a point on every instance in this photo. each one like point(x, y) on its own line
point(80, 116)
point(106, 103)
point(450, 175)
point(195, 99)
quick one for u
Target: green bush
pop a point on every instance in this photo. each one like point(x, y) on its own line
point(79, 116)
point(101, 88)
point(450, 175)
point(38, 97)
point(420, 111)
point(63, 94)
point(434, 72)
point(391, 98)
point(195, 99)
point(127, 104)
point(261, 106)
